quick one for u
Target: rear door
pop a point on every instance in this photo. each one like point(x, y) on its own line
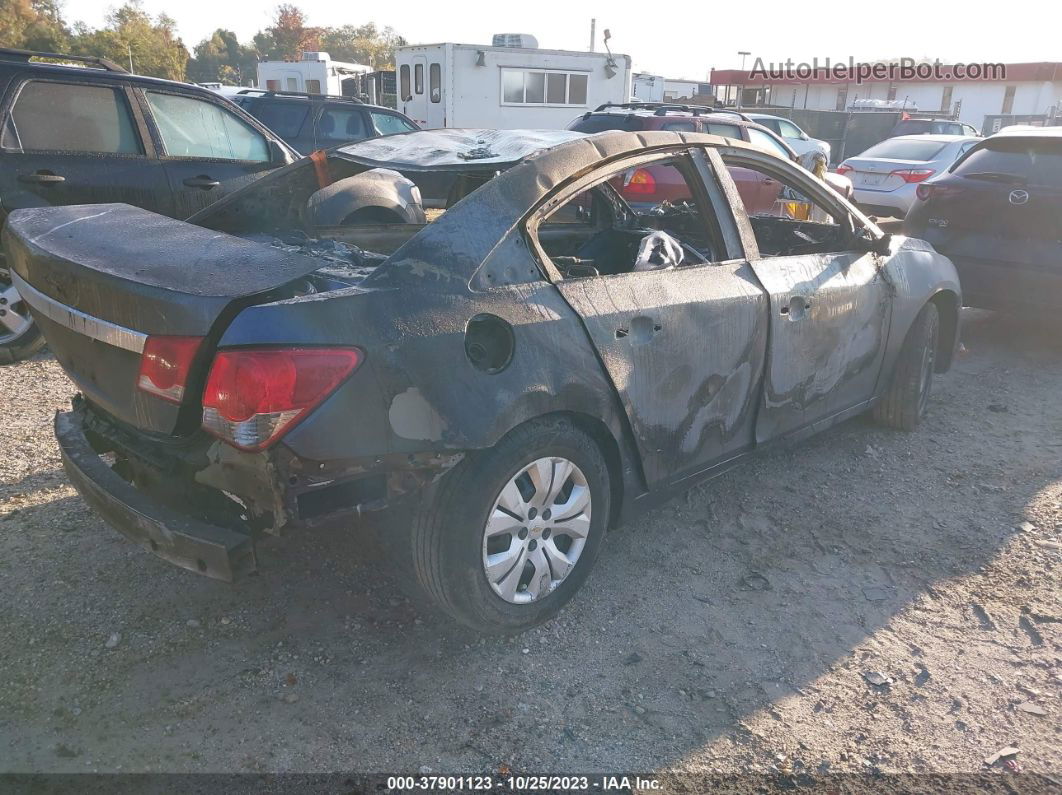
point(684, 346)
point(290, 119)
point(77, 142)
point(413, 80)
point(342, 122)
point(830, 305)
point(207, 150)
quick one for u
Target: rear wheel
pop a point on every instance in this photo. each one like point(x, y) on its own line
point(905, 402)
point(19, 336)
point(511, 533)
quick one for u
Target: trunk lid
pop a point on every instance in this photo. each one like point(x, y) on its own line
point(879, 174)
point(102, 278)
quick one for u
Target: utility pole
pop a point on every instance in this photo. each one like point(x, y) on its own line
point(593, 32)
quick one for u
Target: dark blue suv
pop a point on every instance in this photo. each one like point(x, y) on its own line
point(997, 214)
point(313, 121)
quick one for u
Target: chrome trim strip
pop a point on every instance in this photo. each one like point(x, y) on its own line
point(110, 333)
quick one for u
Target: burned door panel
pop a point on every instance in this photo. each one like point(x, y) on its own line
point(685, 351)
point(830, 318)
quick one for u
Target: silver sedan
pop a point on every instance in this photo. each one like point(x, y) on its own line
point(886, 176)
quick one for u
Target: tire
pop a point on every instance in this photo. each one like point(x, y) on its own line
point(449, 546)
point(21, 344)
point(905, 401)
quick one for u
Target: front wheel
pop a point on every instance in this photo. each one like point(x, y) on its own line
point(19, 336)
point(511, 533)
point(905, 402)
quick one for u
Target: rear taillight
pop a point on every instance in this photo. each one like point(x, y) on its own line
point(930, 190)
point(844, 168)
point(639, 181)
point(914, 174)
point(252, 397)
point(165, 364)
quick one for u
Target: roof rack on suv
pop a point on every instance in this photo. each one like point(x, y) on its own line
point(662, 108)
point(269, 93)
point(11, 54)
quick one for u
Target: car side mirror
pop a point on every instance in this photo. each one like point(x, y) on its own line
point(867, 241)
point(804, 136)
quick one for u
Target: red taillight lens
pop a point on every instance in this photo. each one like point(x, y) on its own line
point(165, 364)
point(639, 181)
point(844, 168)
point(936, 191)
point(252, 397)
point(914, 174)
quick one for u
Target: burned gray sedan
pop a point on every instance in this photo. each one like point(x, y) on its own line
point(557, 348)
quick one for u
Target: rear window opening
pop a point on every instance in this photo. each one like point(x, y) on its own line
point(607, 121)
point(1036, 162)
point(893, 149)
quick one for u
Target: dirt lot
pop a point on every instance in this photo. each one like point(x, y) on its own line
point(733, 630)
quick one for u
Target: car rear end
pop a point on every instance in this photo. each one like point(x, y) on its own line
point(997, 214)
point(182, 439)
point(886, 176)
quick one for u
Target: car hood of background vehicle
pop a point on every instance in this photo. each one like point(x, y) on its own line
point(455, 149)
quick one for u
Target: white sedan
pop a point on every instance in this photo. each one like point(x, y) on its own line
point(887, 175)
point(798, 140)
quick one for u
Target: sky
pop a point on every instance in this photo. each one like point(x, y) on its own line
point(677, 39)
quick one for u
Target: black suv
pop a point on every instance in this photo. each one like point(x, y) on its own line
point(313, 121)
point(997, 214)
point(77, 135)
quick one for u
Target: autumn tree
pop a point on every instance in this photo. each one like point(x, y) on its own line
point(222, 58)
point(288, 36)
point(33, 25)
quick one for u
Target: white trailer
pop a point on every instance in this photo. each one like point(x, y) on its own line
point(316, 73)
point(506, 87)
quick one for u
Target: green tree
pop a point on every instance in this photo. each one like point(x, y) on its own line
point(131, 33)
point(222, 58)
point(362, 44)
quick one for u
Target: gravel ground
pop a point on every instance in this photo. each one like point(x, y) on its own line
point(744, 627)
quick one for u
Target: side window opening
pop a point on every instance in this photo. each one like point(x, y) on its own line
point(435, 82)
point(418, 78)
point(403, 79)
point(646, 217)
point(785, 220)
point(196, 128)
point(68, 117)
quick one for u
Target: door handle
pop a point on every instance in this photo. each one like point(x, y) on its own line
point(202, 181)
point(42, 178)
point(797, 308)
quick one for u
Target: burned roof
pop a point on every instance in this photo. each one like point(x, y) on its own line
point(455, 149)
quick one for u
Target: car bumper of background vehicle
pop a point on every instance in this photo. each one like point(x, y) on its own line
point(884, 203)
point(214, 551)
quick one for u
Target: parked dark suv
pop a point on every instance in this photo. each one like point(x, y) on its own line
point(997, 214)
point(312, 121)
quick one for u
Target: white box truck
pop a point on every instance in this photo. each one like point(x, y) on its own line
point(316, 73)
point(506, 87)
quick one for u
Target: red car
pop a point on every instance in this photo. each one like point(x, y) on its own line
point(647, 187)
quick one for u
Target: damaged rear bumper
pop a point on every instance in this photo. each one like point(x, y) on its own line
point(207, 549)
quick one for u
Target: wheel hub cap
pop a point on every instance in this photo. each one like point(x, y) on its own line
point(536, 530)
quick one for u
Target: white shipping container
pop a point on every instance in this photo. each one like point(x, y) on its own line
point(508, 88)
